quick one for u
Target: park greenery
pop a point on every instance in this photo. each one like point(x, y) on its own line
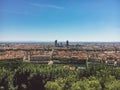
point(18, 75)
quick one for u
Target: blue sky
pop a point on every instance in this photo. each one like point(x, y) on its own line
point(48, 20)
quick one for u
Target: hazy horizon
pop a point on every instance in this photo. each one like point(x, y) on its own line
point(49, 20)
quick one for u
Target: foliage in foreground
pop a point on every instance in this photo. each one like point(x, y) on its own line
point(27, 76)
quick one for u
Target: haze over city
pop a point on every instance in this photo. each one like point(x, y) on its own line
point(47, 20)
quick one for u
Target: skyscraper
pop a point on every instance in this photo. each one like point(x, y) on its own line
point(67, 43)
point(56, 43)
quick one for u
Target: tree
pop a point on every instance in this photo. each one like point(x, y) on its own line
point(79, 85)
point(113, 85)
point(94, 83)
point(87, 84)
point(52, 86)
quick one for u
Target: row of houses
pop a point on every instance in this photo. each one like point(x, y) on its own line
point(110, 59)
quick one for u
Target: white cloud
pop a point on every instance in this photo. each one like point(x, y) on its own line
point(46, 5)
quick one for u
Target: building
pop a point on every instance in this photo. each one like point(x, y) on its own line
point(56, 44)
point(28, 57)
point(67, 43)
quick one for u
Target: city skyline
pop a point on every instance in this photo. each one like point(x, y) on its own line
point(49, 20)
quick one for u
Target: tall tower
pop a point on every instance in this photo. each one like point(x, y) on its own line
point(67, 43)
point(56, 43)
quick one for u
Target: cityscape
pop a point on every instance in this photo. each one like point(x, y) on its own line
point(80, 60)
point(98, 52)
point(59, 45)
